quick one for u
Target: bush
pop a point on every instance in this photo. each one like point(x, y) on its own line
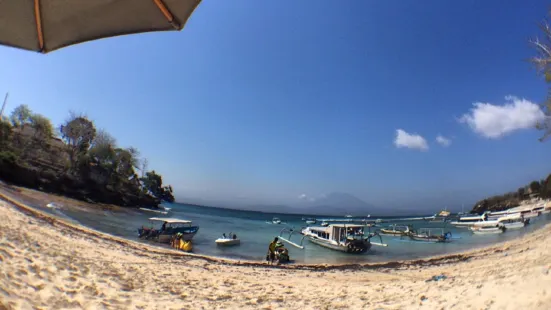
point(8, 158)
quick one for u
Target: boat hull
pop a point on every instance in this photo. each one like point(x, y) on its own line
point(489, 231)
point(530, 215)
point(227, 242)
point(426, 239)
point(462, 224)
point(361, 247)
point(516, 225)
point(165, 237)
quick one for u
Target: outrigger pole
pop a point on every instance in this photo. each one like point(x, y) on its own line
point(300, 246)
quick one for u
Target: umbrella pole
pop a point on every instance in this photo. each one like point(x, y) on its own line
point(4, 106)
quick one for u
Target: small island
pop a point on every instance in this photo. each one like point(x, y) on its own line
point(76, 160)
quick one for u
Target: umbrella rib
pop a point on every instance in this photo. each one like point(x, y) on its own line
point(39, 30)
point(166, 12)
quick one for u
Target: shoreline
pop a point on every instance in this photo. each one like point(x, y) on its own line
point(450, 258)
point(47, 262)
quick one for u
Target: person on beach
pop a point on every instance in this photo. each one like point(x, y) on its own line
point(272, 249)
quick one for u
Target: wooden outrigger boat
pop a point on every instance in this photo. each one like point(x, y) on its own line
point(429, 235)
point(395, 230)
point(338, 237)
point(170, 227)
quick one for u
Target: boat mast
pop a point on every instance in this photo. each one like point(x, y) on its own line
point(4, 106)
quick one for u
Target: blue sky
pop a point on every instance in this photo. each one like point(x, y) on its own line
point(262, 101)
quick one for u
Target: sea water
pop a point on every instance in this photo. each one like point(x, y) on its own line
point(256, 231)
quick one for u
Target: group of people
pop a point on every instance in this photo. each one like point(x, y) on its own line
point(230, 236)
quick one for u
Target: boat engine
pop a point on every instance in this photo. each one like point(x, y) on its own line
point(358, 246)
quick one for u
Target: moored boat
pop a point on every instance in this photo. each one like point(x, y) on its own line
point(395, 230)
point(466, 221)
point(341, 237)
point(170, 227)
point(229, 240)
point(163, 211)
point(430, 235)
point(484, 230)
point(311, 221)
point(276, 220)
point(514, 222)
point(324, 224)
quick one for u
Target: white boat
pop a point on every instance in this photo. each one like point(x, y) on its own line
point(341, 237)
point(276, 220)
point(484, 230)
point(466, 221)
point(514, 222)
point(53, 205)
point(348, 216)
point(324, 224)
point(228, 240)
point(154, 211)
point(311, 221)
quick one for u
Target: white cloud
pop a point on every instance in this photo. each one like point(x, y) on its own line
point(494, 121)
point(443, 141)
point(412, 141)
point(306, 197)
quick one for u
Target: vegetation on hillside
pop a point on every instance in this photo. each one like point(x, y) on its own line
point(77, 160)
point(542, 188)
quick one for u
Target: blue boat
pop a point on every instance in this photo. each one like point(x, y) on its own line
point(170, 227)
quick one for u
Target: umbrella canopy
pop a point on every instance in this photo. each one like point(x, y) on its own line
point(47, 25)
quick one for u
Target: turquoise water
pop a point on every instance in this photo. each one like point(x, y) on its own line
point(255, 233)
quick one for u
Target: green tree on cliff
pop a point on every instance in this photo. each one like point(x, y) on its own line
point(153, 184)
point(78, 132)
point(21, 115)
point(542, 62)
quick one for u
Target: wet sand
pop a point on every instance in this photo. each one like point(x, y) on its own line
point(47, 263)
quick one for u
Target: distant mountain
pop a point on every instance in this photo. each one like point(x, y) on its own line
point(340, 204)
point(334, 204)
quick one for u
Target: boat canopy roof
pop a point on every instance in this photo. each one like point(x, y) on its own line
point(347, 225)
point(169, 220)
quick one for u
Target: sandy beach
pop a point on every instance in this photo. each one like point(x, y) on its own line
point(47, 263)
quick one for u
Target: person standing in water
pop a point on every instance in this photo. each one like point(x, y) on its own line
point(271, 249)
